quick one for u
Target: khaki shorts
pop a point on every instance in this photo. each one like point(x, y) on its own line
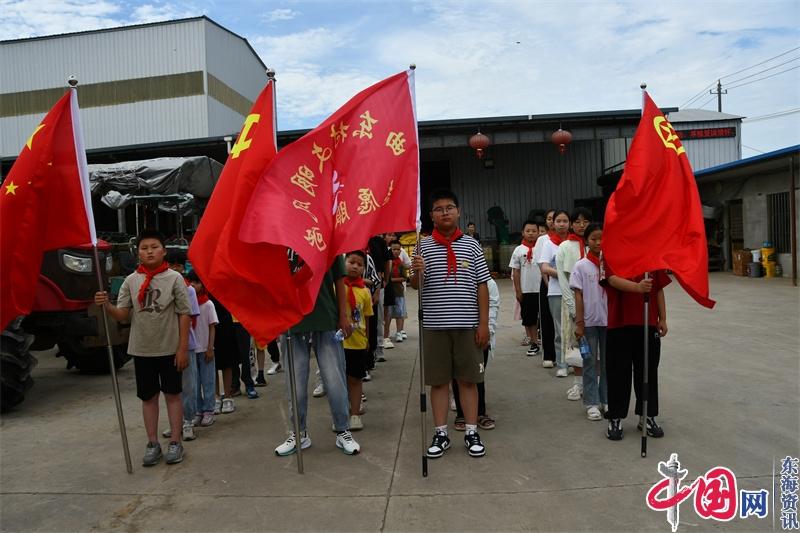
point(451, 353)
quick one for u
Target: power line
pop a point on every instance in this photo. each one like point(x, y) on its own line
point(764, 78)
point(707, 102)
point(757, 64)
point(764, 70)
point(701, 93)
point(753, 149)
point(769, 116)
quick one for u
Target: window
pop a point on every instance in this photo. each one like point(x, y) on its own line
point(779, 222)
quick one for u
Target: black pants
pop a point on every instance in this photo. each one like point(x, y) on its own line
point(243, 353)
point(274, 353)
point(481, 392)
point(547, 332)
point(625, 348)
point(372, 335)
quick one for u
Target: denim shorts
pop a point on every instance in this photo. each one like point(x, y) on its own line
point(399, 307)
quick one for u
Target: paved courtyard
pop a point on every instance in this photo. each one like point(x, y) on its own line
point(729, 396)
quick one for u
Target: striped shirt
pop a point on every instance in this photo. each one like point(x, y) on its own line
point(448, 302)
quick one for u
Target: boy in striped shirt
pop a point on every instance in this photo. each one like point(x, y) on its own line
point(455, 319)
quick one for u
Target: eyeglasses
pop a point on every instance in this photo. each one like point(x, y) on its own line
point(445, 209)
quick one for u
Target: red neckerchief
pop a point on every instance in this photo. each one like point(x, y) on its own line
point(396, 262)
point(529, 256)
point(554, 237)
point(593, 258)
point(452, 261)
point(202, 297)
point(351, 294)
point(580, 241)
point(149, 275)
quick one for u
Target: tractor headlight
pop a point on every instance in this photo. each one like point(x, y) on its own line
point(77, 264)
point(109, 264)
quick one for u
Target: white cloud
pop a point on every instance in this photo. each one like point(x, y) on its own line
point(281, 14)
point(30, 18)
point(156, 13)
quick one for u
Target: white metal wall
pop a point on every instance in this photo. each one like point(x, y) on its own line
point(222, 120)
point(230, 60)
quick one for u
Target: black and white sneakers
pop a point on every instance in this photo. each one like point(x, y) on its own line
point(472, 441)
point(614, 431)
point(653, 429)
point(439, 445)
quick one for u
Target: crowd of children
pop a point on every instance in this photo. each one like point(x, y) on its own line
point(576, 313)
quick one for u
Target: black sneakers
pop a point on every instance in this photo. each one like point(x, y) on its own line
point(614, 431)
point(439, 445)
point(653, 429)
point(472, 441)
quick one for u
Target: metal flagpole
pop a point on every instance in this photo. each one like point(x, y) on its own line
point(80, 154)
point(423, 400)
point(298, 438)
point(112, 369)
point(645, 370)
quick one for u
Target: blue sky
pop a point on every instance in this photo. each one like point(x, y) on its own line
point(494, 58)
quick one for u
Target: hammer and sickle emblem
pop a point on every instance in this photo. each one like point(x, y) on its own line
point(667, 133)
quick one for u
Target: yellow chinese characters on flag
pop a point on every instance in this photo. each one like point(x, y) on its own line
point(355, 175)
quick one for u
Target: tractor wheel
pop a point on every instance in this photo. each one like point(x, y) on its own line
point(92, 360)
point(16, 365)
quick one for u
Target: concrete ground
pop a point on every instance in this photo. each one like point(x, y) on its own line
point(729, 396)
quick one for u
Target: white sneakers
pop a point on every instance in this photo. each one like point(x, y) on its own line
point(356, 423)
point(188, 431)
point(289, 446)
point(561, 373)
point(274, 368)
point(346, 443)
point(593, 413)
point(400, 336)
point(387, 343)
point(227, 406)
point(547, 364)
point(575, 392)
point(319, 390)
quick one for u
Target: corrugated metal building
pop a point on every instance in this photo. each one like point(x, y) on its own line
point(179, 88)
point(151, 83)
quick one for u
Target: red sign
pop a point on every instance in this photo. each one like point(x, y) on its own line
point(706, 133)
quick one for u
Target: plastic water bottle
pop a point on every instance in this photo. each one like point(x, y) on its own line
point(583, 345)
point(339, 335)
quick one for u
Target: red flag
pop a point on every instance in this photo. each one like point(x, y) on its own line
point(355, 175)
point(252, 281)
point(44, 204)
point(654, 219)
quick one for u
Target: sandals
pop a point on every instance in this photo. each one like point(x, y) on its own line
point(459, 424)
point(486, 422)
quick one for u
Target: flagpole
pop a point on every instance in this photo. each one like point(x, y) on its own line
point(80, 154)
point(298, 438)
point(646, 366)
point(423, 400)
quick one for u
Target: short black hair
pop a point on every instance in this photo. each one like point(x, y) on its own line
point(176, 257)
point(557, 212)
point(150, 234)
point(192, 276)
point(359, 253)
point(580, 212)
point(539, 221)
point(529, 222)
point(470, 224)
point(443, 194)
point(397, 242)
point(591, 228)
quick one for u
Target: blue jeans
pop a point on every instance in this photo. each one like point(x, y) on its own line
point(206, 383)
point(189, 392)
point(331, 362)
point(555, 310)
point(596, 336)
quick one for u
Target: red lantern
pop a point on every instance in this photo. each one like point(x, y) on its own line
point(561, 138)
point(479, 142)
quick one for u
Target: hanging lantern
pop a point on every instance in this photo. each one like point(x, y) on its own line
point(561, 138)
point(479, 142)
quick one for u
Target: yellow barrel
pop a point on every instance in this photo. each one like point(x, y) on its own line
point(769, 269)
point(768, 255)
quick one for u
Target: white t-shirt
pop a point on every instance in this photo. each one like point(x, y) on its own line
point(530, 277)
point(208, 316)
point(547, 254)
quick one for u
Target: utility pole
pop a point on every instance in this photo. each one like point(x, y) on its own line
point(719, 92)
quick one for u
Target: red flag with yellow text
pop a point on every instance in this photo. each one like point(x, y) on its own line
point(654, 219)
point(252, 280)
point(45, 203)
point(353, 176)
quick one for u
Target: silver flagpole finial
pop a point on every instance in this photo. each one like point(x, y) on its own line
point(72, 81)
